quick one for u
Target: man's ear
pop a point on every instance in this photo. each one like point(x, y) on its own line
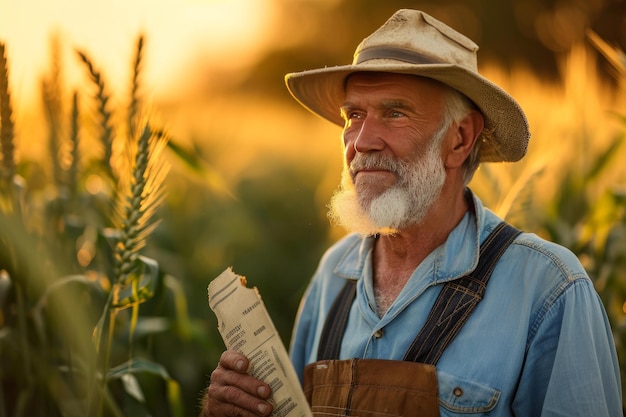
point(465, 135)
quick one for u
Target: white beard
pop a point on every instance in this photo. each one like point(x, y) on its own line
point(406, 203)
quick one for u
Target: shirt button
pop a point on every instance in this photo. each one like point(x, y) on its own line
point(378, 334)
point(457, 392)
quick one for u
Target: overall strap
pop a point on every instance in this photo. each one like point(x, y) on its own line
point(458, 299)
point(336, 322)
point(454, 305)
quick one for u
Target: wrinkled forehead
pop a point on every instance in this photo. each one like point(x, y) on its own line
point(409, 90)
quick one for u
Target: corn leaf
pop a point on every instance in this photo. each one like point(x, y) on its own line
point(140, 365)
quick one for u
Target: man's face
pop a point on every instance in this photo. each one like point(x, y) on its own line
point(392, 137)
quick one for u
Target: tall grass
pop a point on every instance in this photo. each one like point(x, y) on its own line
point(72, 265)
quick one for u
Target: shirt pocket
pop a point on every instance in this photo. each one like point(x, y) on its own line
point(462, 397)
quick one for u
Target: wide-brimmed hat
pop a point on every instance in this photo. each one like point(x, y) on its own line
point(412, 42)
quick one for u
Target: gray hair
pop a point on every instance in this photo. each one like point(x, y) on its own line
point(457, 106)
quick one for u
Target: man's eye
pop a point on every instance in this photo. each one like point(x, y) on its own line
point(396, 114)
point(349, 115)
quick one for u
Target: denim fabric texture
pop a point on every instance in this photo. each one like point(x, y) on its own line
point(538, 344)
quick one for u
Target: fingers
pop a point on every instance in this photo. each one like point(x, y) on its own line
point(234, 360)
point(232, 392)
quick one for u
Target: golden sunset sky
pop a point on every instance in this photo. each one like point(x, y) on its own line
point(184, 37)
point(177, 32)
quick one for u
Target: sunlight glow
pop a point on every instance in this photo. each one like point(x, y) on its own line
point(176, 32)
point(94, 184)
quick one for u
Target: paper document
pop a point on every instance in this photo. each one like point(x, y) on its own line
point(246, 327)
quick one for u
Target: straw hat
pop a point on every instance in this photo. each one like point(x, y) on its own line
point(412, 42)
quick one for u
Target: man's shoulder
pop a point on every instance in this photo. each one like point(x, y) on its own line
point(533, 254)
point(542, 254)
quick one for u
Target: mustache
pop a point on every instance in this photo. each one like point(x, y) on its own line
point(375, 161)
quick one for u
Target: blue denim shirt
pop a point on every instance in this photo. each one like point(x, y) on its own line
point(539, 343)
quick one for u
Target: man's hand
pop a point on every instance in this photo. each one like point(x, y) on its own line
point(232, 392)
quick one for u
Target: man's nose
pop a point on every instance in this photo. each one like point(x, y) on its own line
point(369, 137)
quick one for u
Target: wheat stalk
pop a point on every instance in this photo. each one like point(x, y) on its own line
point(7, 133)
point(102, 97)
point(139, 200)
point(52, 109)
point(52, 93)
point(72, 177)
point(133, 107)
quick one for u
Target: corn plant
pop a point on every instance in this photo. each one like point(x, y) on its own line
point(586, 211)
point(72, 275)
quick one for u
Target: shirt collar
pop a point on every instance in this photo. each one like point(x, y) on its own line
point(453, 259)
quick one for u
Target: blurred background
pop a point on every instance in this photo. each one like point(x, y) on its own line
point(250, 173)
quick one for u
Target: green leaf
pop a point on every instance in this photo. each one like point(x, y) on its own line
point(191, 159)
point(183, 323)
point(601, 162)
point(140, 285)
point(82, 279)
point(212, 177)
point(132, 388)
point(141, 365)
point(147, 326)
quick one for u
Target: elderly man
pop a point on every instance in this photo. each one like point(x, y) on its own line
point(433, 306)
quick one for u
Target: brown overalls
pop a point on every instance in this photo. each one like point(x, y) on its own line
point(385, 388)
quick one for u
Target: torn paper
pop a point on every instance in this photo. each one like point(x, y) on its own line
point(246, 327)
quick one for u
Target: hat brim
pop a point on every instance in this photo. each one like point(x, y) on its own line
point(322, 91)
